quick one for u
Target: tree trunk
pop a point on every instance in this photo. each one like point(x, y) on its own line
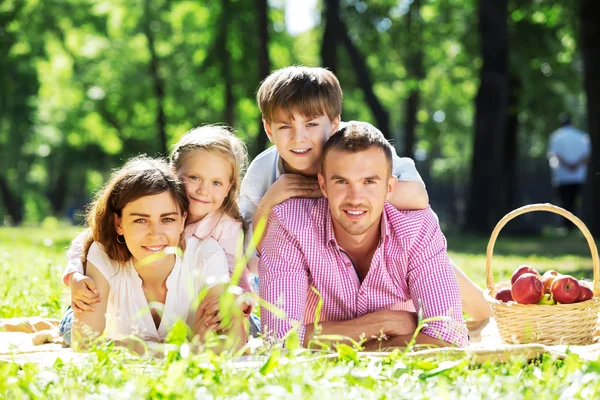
point(411, 107)
point(57, 167)
point(589, 14)
point(365, 82)
point(511, 152)
point(487, 197)
point(335, 33)
point(415, 69)
point(12, 202)
point(331, 35)
point(158, 84)
point(225, 61)
point(264, 65)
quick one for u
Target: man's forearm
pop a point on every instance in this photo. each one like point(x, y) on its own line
point(351, 330)
point(402, 341)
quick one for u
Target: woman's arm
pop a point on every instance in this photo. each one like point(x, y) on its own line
point(90, 324)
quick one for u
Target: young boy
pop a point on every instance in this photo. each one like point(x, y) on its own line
point(301, 108)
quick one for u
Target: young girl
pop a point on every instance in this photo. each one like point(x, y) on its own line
point(142, 290)
point(209, 160)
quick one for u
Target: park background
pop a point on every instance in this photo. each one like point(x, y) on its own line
point(470, 90)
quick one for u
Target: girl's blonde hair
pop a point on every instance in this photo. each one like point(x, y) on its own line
point(221, 141)
point(140, 177)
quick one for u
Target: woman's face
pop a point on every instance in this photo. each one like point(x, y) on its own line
point(150, 224)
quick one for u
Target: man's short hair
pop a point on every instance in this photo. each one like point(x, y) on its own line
point(312, 92)
point(355, 137)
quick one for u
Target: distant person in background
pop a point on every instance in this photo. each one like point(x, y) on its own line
point(568, 152)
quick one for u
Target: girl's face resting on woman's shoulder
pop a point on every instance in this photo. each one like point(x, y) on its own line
point(150, 224)
point(207, 178)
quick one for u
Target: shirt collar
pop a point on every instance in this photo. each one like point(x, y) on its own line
point(205, 227)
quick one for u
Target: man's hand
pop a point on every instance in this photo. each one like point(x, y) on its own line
point(288, 186)
point(83, 293)
point(397, 323)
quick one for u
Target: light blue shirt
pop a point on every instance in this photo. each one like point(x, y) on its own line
point(571, 145)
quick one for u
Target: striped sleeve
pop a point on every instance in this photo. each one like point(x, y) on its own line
point(433, 286)
point(283, 273)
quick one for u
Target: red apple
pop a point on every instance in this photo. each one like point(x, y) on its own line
point(548, 278)
point(585, 293)
point(528, 289)
point(523, 269)
point(504, 295)
point(565, 289)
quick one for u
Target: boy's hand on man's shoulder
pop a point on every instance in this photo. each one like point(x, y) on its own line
point(288, 186)
point(83, 293)
point(284, 188)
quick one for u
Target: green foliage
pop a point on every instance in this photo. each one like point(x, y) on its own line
point(79, 95)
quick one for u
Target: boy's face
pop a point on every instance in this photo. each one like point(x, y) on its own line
point(300, 140)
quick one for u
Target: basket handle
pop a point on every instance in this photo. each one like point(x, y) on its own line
point(541, 207)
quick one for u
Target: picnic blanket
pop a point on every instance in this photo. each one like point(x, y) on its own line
point(44, 347)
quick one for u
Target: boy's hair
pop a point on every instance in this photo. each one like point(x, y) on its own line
point(221, 141)
point(310, 91)
point(140, 177)
point(355, 137)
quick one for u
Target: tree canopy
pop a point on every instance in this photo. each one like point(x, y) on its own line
point(471, 89)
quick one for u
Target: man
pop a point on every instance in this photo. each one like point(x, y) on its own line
point(372, 265)
point(569, 153)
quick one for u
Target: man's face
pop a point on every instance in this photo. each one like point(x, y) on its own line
point(300, 140)
point(357, 186)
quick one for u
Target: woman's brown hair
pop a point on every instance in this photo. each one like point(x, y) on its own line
point(139, 177)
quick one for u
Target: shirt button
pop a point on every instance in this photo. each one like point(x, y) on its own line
point(348, 264)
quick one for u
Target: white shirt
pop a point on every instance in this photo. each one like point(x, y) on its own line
point(128, 312)
point(571, 145)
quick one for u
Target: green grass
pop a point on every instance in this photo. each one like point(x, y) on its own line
point(31, 264)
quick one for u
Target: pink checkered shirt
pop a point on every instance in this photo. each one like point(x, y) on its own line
point(410, 271)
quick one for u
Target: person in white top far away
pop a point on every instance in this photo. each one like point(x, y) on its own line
point(568, 152)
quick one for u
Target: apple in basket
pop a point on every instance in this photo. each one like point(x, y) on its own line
point(528, 289)
point(585, 293)
point(548, 278)
point(523, 269)
point(504, 295)
point(547, 300)
point(565, 289)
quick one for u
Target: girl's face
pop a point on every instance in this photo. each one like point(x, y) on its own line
point(207, 178)
point(150, 224)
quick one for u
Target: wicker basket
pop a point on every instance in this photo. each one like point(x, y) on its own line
point(573, 324)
